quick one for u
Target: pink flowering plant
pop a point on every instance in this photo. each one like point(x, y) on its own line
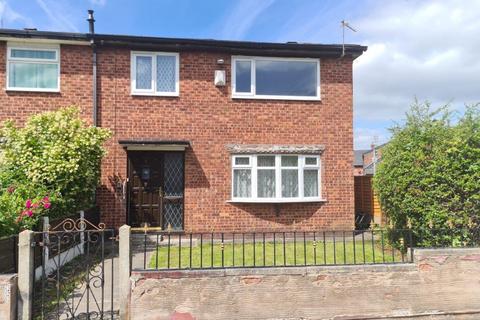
point(21, 208)
point(28, 217)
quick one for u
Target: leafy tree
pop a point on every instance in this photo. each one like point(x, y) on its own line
point(429, 177)
point(54, 157)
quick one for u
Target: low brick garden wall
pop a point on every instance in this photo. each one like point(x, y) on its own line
point(441, 283)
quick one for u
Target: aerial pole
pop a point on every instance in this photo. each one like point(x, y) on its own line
point(345, 25)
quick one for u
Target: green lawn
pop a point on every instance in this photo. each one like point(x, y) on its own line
point(270, 255)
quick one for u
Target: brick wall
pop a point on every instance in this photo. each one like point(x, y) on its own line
point(208, 117)
point(75, 87)
point(441, 284)
point(368, 156)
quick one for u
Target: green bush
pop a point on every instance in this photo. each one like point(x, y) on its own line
point(55, 156)
point(429, 177)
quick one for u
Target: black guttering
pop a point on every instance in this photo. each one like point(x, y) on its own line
point(234, 47)
point(179, 44)
point(34, 34)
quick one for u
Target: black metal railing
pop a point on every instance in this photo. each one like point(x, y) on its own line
point(162, 250)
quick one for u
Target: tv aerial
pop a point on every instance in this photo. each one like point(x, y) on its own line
point(345, 24)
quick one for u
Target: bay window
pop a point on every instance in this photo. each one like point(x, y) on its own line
point(33, 68)
point(276, 78)
point(275, 178)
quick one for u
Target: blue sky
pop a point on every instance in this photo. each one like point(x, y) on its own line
point(417, 48)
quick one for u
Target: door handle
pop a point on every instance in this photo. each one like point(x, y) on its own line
point(160, 192)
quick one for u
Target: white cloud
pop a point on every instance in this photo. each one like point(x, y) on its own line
point(241, 18)
point(9, 16)
point(417, 48)
point(364, 137)
point(427, 49)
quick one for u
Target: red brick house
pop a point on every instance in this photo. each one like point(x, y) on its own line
point(208, 135)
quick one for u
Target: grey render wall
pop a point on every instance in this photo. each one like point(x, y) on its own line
point(8, 296)
point(441, 282)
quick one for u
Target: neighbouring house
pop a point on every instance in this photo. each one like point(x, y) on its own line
point(367, 205)
point(209, 135)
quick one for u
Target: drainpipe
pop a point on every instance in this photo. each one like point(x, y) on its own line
point(91, 29)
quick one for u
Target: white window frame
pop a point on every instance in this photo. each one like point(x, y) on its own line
point(36, 47)
point(278, 179)
point(243, 167)
point(249, 165)
point(252, 94)
point(255, 169)
point(153, 91)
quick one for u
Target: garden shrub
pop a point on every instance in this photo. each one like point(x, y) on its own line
point(429, 176)
point(53, 162)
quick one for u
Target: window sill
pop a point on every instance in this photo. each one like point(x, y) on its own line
point(32, 90)
point(295, 98)
point(173, 94)
point(306, 200)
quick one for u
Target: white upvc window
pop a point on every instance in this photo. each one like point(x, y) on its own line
point(155, 73)
point(275, 78)
point(268, 178)
point(33, 67)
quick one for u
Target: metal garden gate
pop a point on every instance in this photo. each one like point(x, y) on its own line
point(75, 272)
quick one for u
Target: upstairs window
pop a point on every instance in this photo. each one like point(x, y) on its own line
point(275, 178)
point(275, 78)
point(155, 73)
point(33, 68)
